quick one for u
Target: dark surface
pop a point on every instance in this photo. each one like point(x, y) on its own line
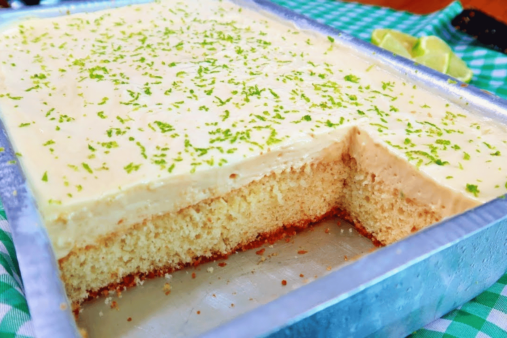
point(486, 29)
point(31, 2)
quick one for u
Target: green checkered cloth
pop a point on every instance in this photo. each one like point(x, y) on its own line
point(486, 315)
point(483, 316)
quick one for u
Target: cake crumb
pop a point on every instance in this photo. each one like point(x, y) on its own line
point(193, 275)
point(222, 264)
point(232, 304)
point(271, 246)
point(214, 295)
point(168, 276)
point(198, 312)
point(260, 252)
point(138, 281)
point(251, 299)
point(114, 305)
point(341, 231)
point(167, 289)
point(210, 269)
point(118, 293)
point(338, 223)
point(63, 306)
point(345, 258)
point(328, 268)
point(101, 314)
point(284, 282)
point(108, 300)
point(302, 252)
point(350, 229)
point(301, 275)
point(129, 319)
point(326, 231)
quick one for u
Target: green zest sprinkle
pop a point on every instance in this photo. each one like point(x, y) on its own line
point(87, 167)
point(473, 189)
point(164, 127)
point(352, 78)
point(45, 177)
point(14, 97)
point(104, 100)
point(131, 167)
point(444, 142)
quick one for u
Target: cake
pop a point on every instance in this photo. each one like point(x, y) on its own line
point(160, 135)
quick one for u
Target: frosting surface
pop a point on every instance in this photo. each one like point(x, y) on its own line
point(123, 114)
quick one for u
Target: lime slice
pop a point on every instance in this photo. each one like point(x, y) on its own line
point(392, 44)
point(408, 41)
point(458, 69)
point(435, 60)
point(429, 51)
point(427, 44)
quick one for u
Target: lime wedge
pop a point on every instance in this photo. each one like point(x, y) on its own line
point(426, 50)
point(392, 44)
point(408, 41)
point(427, 44)
point(435, 60)
point(458, 69)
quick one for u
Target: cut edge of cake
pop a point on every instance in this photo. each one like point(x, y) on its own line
point(278, 204)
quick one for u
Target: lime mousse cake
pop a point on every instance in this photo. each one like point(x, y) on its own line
point(154, 136)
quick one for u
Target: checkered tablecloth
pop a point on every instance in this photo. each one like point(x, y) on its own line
point(484, 316)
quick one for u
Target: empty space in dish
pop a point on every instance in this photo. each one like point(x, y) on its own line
point(248, 279)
